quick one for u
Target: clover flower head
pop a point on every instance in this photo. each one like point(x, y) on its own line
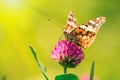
point(67, 54)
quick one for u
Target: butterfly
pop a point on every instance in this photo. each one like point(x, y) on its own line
point(82, 35)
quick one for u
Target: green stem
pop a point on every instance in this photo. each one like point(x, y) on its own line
point(65, 70)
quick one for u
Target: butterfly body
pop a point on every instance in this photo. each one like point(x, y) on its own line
point(85, 34)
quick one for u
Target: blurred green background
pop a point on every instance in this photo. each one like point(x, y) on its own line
point(24, 22)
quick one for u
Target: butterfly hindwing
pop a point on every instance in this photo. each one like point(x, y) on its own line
point(81, 37)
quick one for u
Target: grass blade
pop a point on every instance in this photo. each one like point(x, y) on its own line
point(92, 70)
point(42, 68)
point(4, 77)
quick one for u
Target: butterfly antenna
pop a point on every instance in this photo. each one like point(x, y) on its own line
point(54, 22)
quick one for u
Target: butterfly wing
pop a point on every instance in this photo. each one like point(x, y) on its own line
point(85, 34)
point(71, 23)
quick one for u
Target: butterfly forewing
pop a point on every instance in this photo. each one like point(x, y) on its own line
point(89, 31)
point(71, 23)
point(93, 25)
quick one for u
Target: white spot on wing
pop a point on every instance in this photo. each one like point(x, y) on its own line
point(70, 17)
point(98, 19)
point(92, 22)
point(84, 37)
point(71, 23)
point(97, 25)
point(90, 28)
point(83, 26)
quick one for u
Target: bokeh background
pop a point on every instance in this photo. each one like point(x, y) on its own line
point(40, 23)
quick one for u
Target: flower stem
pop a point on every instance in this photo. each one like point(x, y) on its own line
point(65, 70)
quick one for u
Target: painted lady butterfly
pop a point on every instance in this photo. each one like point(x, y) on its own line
point(85, 34)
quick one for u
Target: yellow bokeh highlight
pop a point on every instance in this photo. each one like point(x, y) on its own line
point(13, 3)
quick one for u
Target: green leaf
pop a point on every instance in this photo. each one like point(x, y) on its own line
point(66, 77)
point(42, 68)
point(92, 70)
